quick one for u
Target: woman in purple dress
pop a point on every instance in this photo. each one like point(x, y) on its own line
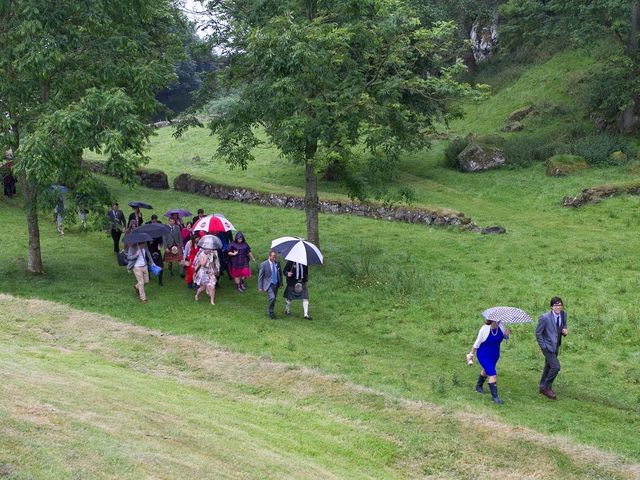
point(239, 254)
point(487, 348)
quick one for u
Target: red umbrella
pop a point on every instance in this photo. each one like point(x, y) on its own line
point(212, 223)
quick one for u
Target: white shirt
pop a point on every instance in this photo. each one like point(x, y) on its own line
point(141, 261)
point(483, 334)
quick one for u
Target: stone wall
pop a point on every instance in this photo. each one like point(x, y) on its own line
point(188, 183)
point(155, 179)
point(596, 194)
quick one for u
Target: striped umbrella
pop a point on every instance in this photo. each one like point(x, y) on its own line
point(506, 315)
point(297, 250)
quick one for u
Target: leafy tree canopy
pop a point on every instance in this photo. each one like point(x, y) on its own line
point(78, 74)
point(323, 78)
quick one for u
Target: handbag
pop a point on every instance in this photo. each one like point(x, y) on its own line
point(121, 257)
point(297, 287)
point(155, 270)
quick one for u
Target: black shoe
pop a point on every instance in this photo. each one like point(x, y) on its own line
point(272, 316)
point(480, 383)
point(307, 317)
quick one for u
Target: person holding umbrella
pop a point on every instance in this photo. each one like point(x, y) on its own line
point(270, 280)
point(206, 267)
point(139, 261)
point(487, 347)
point(296, 275)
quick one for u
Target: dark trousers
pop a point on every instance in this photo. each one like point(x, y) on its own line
point(115, 234)
point(551, 368)
point(272, 294)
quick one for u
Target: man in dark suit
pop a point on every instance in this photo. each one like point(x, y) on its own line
point(270, 280)
point(117, 223)
point(552, 326)
point(198, 216)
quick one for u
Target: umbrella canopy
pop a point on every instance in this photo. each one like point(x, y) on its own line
point(213, 224)
point(182, 212)
point(140, 205)
point(210, 241)
point(506, 315)
point(225, 222)
point(297, 250)
point(154, 230)
point(137, 237)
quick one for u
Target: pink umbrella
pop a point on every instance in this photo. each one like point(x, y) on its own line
point(214, 224)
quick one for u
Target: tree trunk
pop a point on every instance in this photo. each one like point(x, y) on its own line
point(311, 202)
point(30, 193)
point(635, 26)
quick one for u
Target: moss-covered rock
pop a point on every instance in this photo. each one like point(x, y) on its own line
point(560, 165)
point(618, 157)
point(482, 153)
point(520, 114)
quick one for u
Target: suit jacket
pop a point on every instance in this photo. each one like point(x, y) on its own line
point(264, 275)
point(117, 220)
point(548, 335)
point(132, 259)
point(173, 238)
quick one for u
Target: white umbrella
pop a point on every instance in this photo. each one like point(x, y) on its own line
point(506, 315)
point(297, 250)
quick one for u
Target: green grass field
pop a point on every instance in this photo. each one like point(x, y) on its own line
point(396, 308)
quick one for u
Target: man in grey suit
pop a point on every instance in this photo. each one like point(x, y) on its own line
point(552, 326)
point(270, 280)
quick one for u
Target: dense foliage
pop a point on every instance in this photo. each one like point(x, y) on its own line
point(77, 75)
point(325, 78)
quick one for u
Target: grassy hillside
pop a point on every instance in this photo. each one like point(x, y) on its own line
point(397, 306)
point(84, 396)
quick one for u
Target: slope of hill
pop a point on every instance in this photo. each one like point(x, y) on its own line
point(84, 396)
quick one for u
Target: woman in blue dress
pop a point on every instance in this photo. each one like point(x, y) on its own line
point(487, 349)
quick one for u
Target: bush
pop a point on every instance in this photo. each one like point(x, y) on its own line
point(457, 145)
point(523, 151)
point(597, 149)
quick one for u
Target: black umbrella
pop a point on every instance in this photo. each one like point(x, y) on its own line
point(154, 230)
point(137, 237)
point(140, 205)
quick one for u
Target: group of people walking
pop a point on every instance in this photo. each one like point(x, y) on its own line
point(552, 326)
point(203, 258)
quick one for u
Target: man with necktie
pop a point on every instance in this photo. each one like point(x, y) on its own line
point(117, 223)
point(270, 280)
point(552, 326)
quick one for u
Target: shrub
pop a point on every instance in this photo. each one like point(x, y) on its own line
point(597, 149)
point(523, 151)
point(457, 145)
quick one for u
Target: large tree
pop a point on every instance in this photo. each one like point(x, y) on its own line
point(78, 74)
point(324, 79)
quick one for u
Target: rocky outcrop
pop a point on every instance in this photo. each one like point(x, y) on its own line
point(187, 183)
point(155, 179)
point(484, 38)
point(561, 165)
point(596, 194)
point(478, 156)
point(520, 114)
